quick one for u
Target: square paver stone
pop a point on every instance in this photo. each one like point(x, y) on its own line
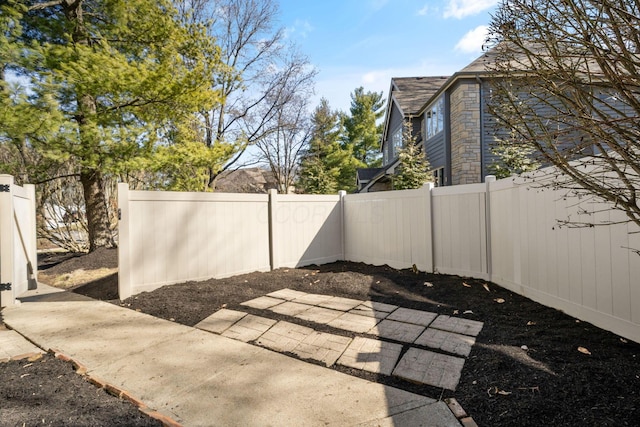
point(319, 315)
point(286, 294)
point(289, 308)
point(220, 321)
point(363, 310)
point(326, 348)
point(416, 317)
point(457, 325)
point(312, 299)
point(446, 341)
point(339, 303)
point(398, 331)
point(263, 303)
point(427, 367)
point(354, 322)
point(380, 306)
point(371, 355)
point(249, 328)
point(284, 336)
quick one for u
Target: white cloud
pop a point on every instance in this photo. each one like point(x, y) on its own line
point(472, 41)
point(461, 8)
point(424, 10)
point(299, 27)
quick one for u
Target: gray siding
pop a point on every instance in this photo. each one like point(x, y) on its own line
point(395, 121)
point(436, 151)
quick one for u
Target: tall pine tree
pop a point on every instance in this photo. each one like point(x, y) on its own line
point(363, 132)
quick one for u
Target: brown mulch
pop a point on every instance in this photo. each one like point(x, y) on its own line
point(531, 365)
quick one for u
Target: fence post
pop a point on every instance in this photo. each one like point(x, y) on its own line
point(124, 243)
point(6, 239)
point(273, 240)
point(342, 194)
point(427, 187)
point(32, 239)
point(488, 180)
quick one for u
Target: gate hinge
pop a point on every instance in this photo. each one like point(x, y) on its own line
point(5, 286)
point(5, 188)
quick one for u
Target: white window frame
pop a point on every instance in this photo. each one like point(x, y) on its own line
point(396, 141)
point(434, 118)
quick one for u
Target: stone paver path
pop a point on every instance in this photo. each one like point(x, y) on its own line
point(390, 328)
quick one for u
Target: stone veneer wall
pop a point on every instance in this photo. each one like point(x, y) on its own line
point(465, 134)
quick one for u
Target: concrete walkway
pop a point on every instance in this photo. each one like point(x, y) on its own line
point(202, 379)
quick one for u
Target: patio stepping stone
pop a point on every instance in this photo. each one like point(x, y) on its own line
point(380, 306)
point(363, 310)
point(319, 315)
point(284, 336)
point(416, 317)
point(312, 299)
point(323, 347)
point(371, 355)
point(262, 303)
point(446, 341)
point(397, 331)
point(286, 294)
point(289, 308)
point(457, 325)
point(353, 322)
point(339, 303)
point(427, 367)
point(220, 321)
point(249, 328)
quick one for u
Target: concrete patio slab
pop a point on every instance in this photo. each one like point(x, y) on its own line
point(249, 328)
point(354, 323)
point(457, 325)
point(446, 341)
point(397, 331)
point(286, 294)
point(289, 308)
point(13, 344)
point(416, 317)
point(339, 303)
point(427, 367)
point(323, 347)
point(220, 321)
point(319, 315)
point(284, 336)
point(371, 355)
point(198, 378)
point(262, 303)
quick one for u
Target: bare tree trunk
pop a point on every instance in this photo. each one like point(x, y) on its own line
point(97, 213)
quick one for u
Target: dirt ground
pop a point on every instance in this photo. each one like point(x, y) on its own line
point(531, 365)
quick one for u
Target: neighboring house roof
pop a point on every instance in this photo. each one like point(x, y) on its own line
point(251, 180)
point(366, 174)
point(377, 175)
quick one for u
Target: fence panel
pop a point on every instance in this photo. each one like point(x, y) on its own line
point(18, 251)
point(459, 230)
point(306, 229)
point(587, 272)
point(392, 228)
point(173, 237)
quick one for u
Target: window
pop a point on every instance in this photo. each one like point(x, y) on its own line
point(434, 119)
point(438, 177)
point(396, 138)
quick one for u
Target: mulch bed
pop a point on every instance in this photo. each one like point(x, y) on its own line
point(531, 365)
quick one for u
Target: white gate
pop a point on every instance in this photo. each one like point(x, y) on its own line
point(18, 255)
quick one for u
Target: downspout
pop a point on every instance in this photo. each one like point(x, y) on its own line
point(482, 139)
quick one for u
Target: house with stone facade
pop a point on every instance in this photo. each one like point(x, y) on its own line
point(449, 116)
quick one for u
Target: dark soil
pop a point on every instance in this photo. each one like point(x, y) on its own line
point(48, 392)
point(531, 365)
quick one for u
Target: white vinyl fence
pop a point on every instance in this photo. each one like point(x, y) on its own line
point(502, 231)
point(173, 237)
point(18, 252)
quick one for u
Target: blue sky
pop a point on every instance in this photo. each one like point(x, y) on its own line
point(367, 42)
